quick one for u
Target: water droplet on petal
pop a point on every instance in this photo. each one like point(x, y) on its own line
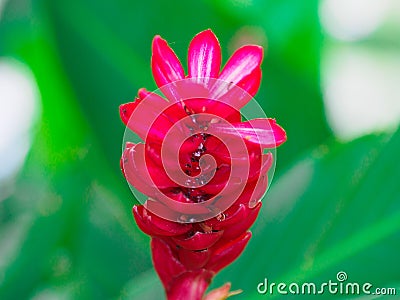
point(221, 217)
point(236, 180)
point(253, 203)
point(182, 218)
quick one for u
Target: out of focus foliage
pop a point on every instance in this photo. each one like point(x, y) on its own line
point(66, 232)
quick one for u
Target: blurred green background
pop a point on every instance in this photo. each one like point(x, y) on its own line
point(331, 77)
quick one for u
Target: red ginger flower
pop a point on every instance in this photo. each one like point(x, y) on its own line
point(199, 209)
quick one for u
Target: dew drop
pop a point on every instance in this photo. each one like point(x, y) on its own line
point(183, 218)
point(253, 203)
point(236, 180)
point(221, 217)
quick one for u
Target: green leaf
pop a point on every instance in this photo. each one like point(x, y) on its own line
point(77, 232)
point(146, 286)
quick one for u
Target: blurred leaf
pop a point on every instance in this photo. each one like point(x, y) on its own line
point(79, 235)
point(146, 286)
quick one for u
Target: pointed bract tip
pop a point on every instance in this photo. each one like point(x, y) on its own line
point(143, 93)
point(158, 44)
point(125, 111)
point(157, 38)
point(207, 32)
point(279, 133)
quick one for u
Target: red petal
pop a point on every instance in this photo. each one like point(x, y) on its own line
point(219, 181)
point(204, 57)
point(193, 260)
point(165, 64)
point(126, 110)
point(237, 96)
point(250, 83)
point(218, 150)
point(235, 230)
point(199, 241)
point(166, 264)
point(227, 253)
point(190, 285)
point(147, 117)
point(260, 166)
point(123, 159)
point(150, 114)
point(143, 173)
point(155, 104)
point(264, 132)
point(253, 191)
point(129, 170)
point(175, 207)
point(153, 225)
point(231, 216)
point(241, 64)
point(250, 157)
point(174, 112)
